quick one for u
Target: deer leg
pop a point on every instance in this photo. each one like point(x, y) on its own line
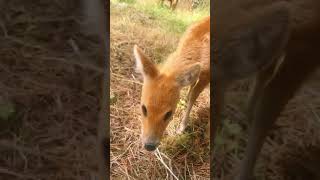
point(259, 84)
point(174, 4)
point(193, 94)
point(268, 107)
point(218, 97)
point(171, 4)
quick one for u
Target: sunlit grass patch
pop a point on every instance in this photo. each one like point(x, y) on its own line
point(191, 144)
point(173, 21)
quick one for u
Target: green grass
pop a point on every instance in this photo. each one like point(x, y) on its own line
point(173, 21)
point(230, 138)
point(188, 143)
point(127, 1)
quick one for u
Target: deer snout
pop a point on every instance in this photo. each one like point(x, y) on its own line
point(150, 146)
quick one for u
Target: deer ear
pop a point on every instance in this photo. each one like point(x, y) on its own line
point(254, 46)
point(188, 76)
point(143, 64)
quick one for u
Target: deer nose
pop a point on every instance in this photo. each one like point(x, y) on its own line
point(150, 146)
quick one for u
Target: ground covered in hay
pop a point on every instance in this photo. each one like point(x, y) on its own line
point(292, 150)
point(290, 153)
point(49, 92)
point(157, 30)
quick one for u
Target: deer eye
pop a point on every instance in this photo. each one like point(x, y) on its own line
point(144, 110)
point(168, 115)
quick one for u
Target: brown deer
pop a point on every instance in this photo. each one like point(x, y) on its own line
point(188, 66)
point(173, 3)
point(263, 41)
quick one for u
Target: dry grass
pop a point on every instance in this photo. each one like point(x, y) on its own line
point(294, 143)
point(187, 156)
point(49, 92)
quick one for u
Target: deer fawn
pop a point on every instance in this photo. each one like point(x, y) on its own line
point(189, 65)
point(264, 41)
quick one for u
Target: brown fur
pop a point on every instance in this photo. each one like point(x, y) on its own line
point(299, 43)
point(189, 65)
